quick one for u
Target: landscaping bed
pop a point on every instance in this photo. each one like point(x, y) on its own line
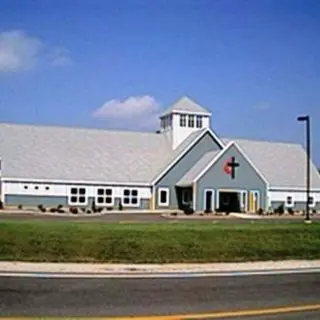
point(156, 243)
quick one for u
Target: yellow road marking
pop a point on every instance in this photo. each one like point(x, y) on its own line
point(213, 315)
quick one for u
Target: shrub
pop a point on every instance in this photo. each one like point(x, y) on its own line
point(83, 210)
point(188, 211)
point(120, 207)
point(41, 208)
point(280, 209)
point(290, 211)
point(73, 210)
point(207, 211)
point(53, 210)
point(260, 211)
point(109, 208)
point(20, 207)
point(88, 211)
point(1, 205)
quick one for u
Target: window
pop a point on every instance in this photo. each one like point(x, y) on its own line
point(163, 196)
point(183, 120)
point(36, 187)
point(77, 196)
point(311, 201)
point(104, 196)
point(130, 197)
point(191, 121)
point(26, 187)
point(47, 188)
point(199, 122)
point(289, 201)
point(244, 200)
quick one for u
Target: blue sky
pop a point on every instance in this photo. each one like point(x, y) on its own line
point(254, 64)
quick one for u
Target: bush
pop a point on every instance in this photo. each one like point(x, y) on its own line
point(290, 211)
point(73, 210)
point(120, 207)
point(20, 207)
point(88, 211)
point(53, 210)
point(109, 208)
point(260, 211)
point(41, 208)
point(207, 211)
point(1, 205)
point(188, 211)
point(280, 209)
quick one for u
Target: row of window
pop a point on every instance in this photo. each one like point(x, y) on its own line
point(289, 201)
point(190, 121)
point(104, 196)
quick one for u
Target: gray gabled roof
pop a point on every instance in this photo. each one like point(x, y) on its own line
point(282, 164)
point(79, 154)
point(193, 173)
point(76, 154)
point(186, 105)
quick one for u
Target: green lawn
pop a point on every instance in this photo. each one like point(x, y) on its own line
point(156, 243)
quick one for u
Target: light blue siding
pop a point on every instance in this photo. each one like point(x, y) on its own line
point(33, 201)
point(206, 143)
point(246, 178)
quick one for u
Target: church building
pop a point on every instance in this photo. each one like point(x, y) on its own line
point(184, 164)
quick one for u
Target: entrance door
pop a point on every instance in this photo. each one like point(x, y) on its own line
point(254, 203)
point(208, 200)
point(229, 201)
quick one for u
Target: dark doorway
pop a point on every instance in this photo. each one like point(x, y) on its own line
point(184, 197)
point(229, 201)
point(208, 200)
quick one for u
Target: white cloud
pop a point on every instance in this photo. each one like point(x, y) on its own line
point(19, 51)
point(60, 57)
point(139, 112)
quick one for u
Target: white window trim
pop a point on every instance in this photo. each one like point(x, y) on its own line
point(244, 205)
point(70, 195)
point(183, 120)
point(191, 120)
point(130, 204)
point(199, 122)
point(313, 203)
point(167, 190)
point(213, 204)
point(289, 205)
point(104, 204)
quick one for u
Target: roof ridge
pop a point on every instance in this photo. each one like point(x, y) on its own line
point(68, 127)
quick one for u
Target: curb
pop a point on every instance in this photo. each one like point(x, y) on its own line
point(182, 274)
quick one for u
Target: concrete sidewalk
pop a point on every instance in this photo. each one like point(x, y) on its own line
point(106, 268)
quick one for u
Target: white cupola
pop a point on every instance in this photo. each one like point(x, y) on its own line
point(183, 118)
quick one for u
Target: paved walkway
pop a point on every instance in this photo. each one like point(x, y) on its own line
point(100, 268)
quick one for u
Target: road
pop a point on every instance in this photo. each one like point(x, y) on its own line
point(22, 296)
point(142, 218)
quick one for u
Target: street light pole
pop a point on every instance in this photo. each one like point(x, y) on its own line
point(306, 119)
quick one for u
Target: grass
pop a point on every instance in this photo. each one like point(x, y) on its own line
point(156, 243)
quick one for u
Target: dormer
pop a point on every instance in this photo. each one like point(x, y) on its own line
point(182, 119)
